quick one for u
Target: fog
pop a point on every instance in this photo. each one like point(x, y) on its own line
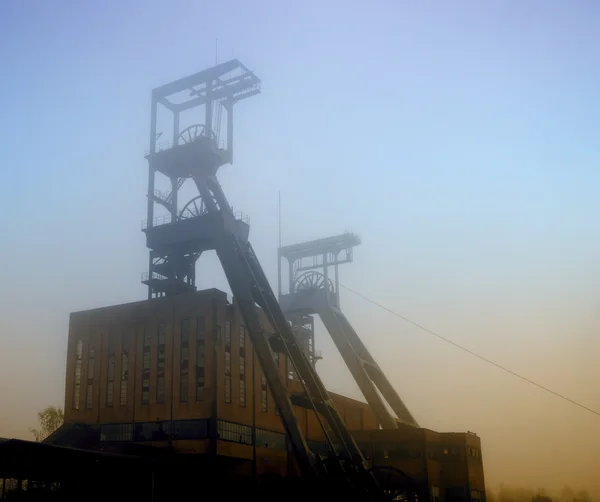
point(459, 140)
point(506, 493)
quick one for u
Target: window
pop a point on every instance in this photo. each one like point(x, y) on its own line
point(116, 432)
point(270, 439)
point(435, 494)
point(110, 379)
point(77, 385)
point(200, 355)
point(263, 394)
point(238, 433)
point(242, 341)
point(291, 371)
point(227, 362)
point(124, 377)
point(146, 368)
point(242, 392)
point(89, 396)
point(242, 366)
point(89, 393)
point(160, 360)
point(227, 377)
point(152, 431)
point(190, 429)
point(227, 336)
point(276, 357)
point(184, 362)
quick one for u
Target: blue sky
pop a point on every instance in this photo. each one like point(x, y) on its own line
point(459, 139)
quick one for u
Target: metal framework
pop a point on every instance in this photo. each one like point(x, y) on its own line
point(208, 222)
point(206, 95)
point(312, 291)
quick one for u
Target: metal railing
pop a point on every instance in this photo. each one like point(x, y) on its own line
point(159, 147)
point(166, 219)
point(243, 217)
point(155, 275)
point(167, 145)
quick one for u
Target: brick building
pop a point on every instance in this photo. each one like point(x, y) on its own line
point(179, 372)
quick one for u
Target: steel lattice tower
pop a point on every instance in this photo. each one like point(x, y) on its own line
point(313, 290)
point(207, 222)
point(188, 153)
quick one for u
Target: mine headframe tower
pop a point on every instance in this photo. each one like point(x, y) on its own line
point(201, 99)
point(314, 288)
point(207, 222)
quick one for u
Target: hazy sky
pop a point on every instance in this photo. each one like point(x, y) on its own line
point(459, 139)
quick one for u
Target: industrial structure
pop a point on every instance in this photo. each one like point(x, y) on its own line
point(312, 291)
point(176, 241)
point(201, 388)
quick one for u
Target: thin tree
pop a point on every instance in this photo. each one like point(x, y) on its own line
point(50, 419)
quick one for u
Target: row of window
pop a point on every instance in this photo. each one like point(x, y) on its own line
point(154, 431)
point(398, 452)
point(191, 429)
point(242, 362)
point(264, 404)
point(227, 355)
point(184, 370)
point(239, 433)
point(390, 454)
point(77, 381)
point(124, 377)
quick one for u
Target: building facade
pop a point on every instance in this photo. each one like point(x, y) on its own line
point(180, 372)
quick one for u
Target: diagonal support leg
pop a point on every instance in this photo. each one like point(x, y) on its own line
point(355, 364)
point(375, 374)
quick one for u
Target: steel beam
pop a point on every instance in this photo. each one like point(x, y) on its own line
point(250, 287)
point(355, 364)
point(376, 374)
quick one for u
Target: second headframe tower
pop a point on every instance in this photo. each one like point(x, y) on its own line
point(186, 139)
point(313, 290)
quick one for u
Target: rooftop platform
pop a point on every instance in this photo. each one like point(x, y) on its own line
point(191, 235)
point(230, 80)
point(321, 252)
point(308, 301)
point(185, 159)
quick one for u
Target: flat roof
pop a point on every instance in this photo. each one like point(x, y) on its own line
point(141, 303)
point(319, 246)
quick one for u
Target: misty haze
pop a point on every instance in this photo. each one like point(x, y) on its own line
point(416, 182)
